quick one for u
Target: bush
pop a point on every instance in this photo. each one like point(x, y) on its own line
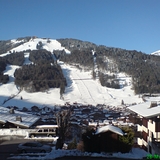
point(89, 141)
point(73, 144)
point(127, 140)
point(4, 78)
point(80, 146)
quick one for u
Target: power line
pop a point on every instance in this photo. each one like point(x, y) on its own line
point(56, 79)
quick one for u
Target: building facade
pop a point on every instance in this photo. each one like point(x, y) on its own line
point(148, 126)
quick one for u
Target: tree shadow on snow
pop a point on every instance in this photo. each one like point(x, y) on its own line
point(20, 103)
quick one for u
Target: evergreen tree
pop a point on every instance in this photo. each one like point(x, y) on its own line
point(63, 123)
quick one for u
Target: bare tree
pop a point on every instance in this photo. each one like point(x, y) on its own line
point(62, 122)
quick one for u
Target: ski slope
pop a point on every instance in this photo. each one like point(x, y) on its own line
point(81, 88)
point(89, 91)
point(50, 46)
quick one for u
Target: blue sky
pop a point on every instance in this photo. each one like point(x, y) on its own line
point(127, 24)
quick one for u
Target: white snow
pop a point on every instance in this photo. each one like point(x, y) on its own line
point(81, 88)
point(109, 128)
point(13, 132)
point(27, 119)
point(47, 126)
point(53, 45)
point(8, 90)
point(144, 109)
point(157, 53)
point(136, 153)
point(27, 61)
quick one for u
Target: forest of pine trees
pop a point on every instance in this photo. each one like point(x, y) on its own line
point(41, 75)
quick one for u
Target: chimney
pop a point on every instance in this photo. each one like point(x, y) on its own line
point(19, 118)
point(11, 111)
point(153, 104)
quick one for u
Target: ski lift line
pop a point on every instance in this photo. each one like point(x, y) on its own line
point(56, 79)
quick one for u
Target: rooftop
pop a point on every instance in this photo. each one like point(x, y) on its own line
point(24, 119)
point(110, 128)
point(145, 110)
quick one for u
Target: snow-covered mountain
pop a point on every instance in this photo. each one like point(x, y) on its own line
point(81, 87)
point(48, 44)
point(157, 53)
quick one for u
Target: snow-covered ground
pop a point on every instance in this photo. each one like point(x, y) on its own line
point(135, 153)
point(81, 87)
point(157, 53)
point(32, 44)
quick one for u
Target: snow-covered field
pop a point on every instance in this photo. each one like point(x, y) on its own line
point(81, 87)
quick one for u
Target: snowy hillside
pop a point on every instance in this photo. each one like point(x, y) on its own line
point(48, 44)
point(157, 53)
point(81, 87)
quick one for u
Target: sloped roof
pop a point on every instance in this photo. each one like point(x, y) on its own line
point(27, 119)
point(145, 110)
point(110, 128)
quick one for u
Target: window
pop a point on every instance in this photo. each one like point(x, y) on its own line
point(145, 122)
point(40, 130)
point(38, 145)
point(51, 130)
point(27, 144)
point(157, 126)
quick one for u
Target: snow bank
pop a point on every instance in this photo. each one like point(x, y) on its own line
point(13, 132)
point(135, 154)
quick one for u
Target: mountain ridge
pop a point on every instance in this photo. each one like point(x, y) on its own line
point(77, 67)
point(156, 53)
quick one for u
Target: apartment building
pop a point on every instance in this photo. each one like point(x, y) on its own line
point(148, 114)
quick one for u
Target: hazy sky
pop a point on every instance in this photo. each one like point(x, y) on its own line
point(127, 24)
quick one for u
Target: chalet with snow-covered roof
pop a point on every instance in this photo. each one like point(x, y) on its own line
point(111, 129)
point(148, 125)
point(10, 118)
point(104, 139)
point(35, 109)
point(45, 110)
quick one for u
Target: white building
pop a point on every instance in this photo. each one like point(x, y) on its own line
point(149, 128)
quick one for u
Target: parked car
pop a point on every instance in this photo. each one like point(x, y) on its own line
point(33, 147)
point(44, 131)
